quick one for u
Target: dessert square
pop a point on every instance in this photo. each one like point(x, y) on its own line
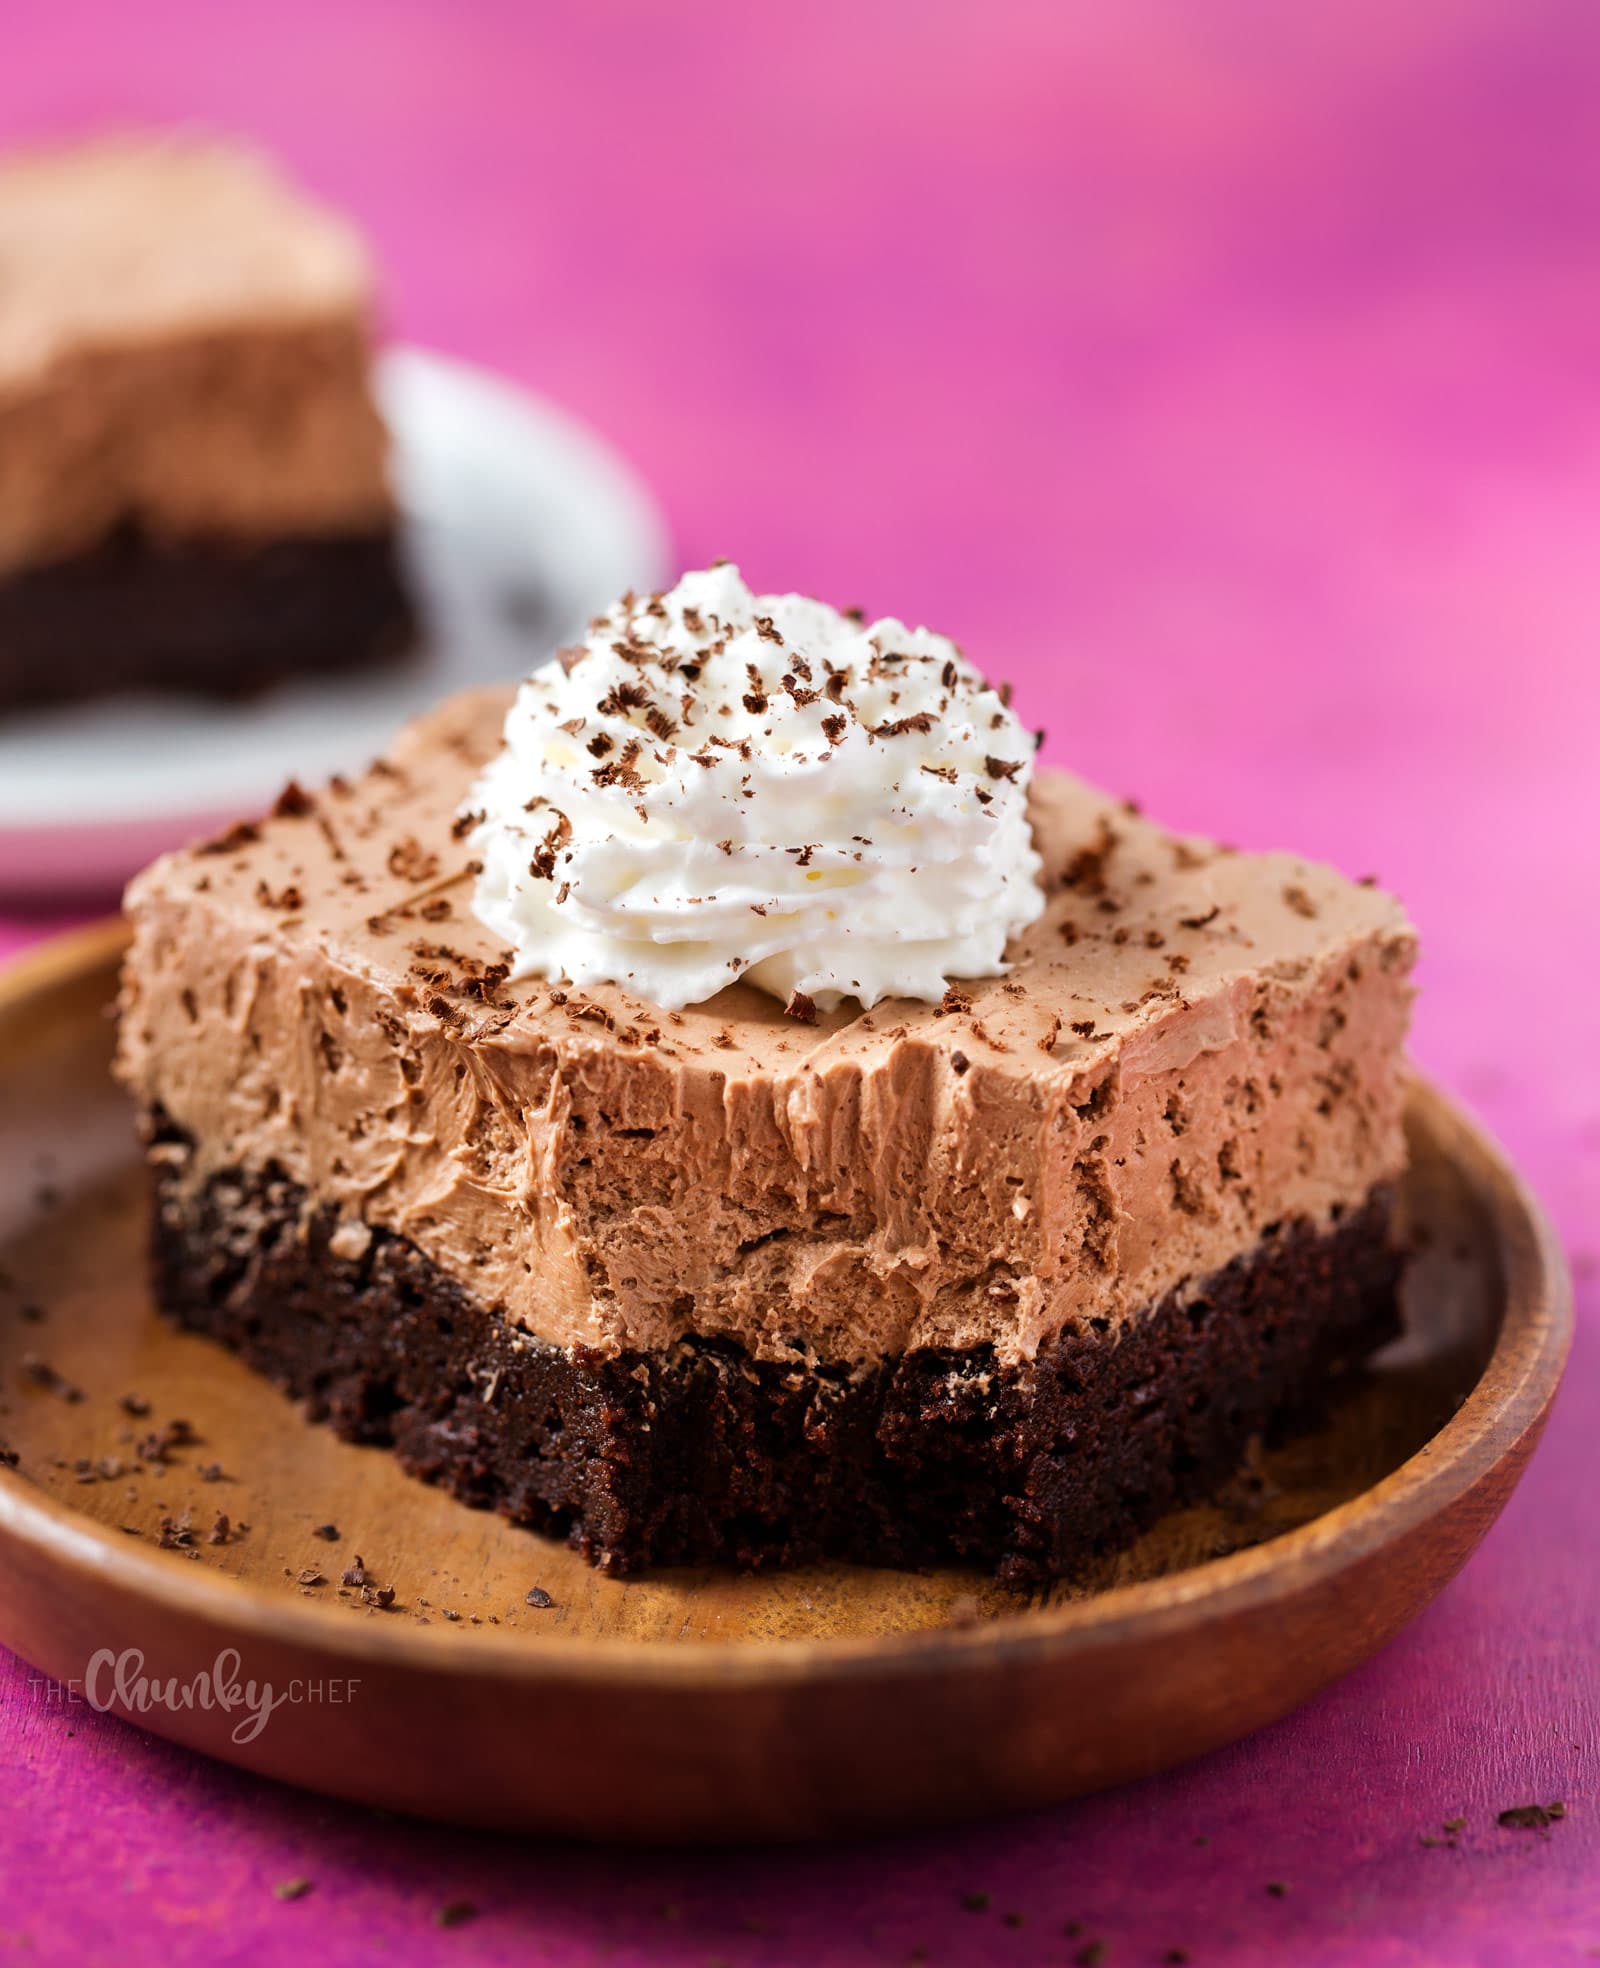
point(995, 1279)
point(192, 471)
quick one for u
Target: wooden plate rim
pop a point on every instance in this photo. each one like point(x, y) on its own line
point(1509, 1401)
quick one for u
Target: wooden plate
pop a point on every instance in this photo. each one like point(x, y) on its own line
point(688, 1706)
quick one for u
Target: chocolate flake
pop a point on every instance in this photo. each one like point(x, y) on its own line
point(920, 722)
point(801, 1008)
point(410, 861)
point(240, 834)
point(293, 803)
point(1002, 768)
point(538, 1597)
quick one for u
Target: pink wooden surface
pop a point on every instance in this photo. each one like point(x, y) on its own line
point(1225, 375)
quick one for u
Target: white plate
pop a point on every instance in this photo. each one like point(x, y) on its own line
point(517, 525)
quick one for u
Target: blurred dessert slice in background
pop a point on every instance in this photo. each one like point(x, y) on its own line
point(193, 488)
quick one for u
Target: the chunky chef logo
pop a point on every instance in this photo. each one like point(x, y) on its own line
point(115, 1681)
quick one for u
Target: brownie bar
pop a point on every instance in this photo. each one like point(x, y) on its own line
point(702, 1453)
point(219, 619)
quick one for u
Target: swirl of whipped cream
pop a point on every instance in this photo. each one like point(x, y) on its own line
point(718, 786)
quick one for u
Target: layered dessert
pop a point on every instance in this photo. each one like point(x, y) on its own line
point(193, 492)
point(721, 1102)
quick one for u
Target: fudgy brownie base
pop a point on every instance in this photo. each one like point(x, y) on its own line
point(214, 619)
point(703, 1454)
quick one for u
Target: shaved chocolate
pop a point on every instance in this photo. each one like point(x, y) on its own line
point(293, 802)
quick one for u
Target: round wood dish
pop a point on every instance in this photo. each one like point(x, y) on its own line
point(696, 1706)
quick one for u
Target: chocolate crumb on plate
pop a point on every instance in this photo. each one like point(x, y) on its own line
point(41, 1374)
point(291, 1889)
point(537, 1596)
point(455, 1914)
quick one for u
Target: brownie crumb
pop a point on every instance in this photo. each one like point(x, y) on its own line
point(41, 1374)
point(157, 1446)
point(1531, 1817)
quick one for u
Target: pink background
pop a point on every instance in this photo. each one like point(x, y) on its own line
point(1225, 374)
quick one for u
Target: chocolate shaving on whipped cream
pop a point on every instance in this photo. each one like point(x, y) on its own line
point(718, 786)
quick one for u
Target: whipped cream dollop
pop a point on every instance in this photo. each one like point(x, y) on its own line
point(718, 786)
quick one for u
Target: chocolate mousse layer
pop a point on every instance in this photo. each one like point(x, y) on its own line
point(190, 458)
point(1178, 1115)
